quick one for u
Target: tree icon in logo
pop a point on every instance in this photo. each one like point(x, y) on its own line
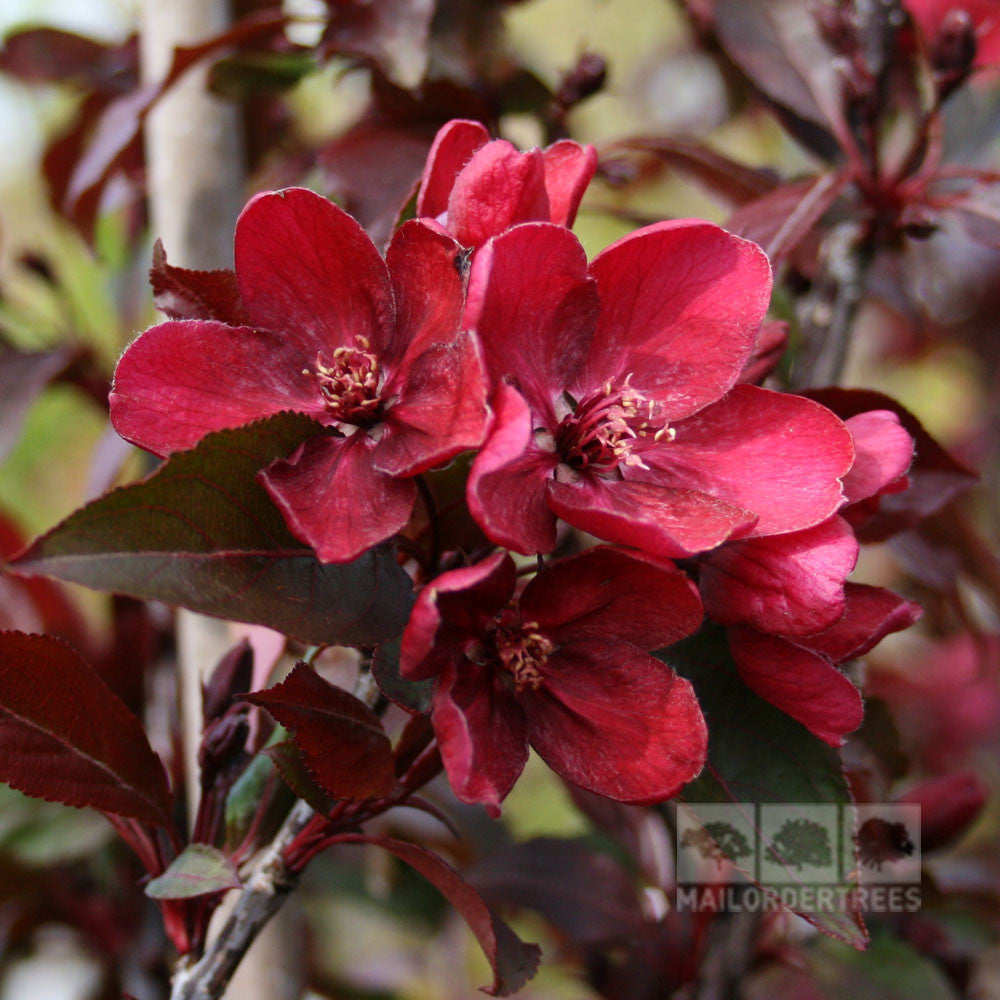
point(880, 841)
point(801, 842)
point(718, 840)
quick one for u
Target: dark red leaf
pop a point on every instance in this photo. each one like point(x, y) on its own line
point(64, 151)
point(118, 130)
point(414, 696)
point(374, 198)
point(22, 378)
point(341, 740)
point(186, 294)
point(726, 178)
point(558, 879)
point(513, 961)
point(778, 45)
point(760, 754)
point(48, 55)
point(201, 532)
point(784, 217)
point(292, 768)
point(641, 831)
point(392, 33)
point(66, 737)
point(36, 605)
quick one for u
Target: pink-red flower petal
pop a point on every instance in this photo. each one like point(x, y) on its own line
point(534, 308)
point(507, 485)
point(332, 498)
point(183, 379)
point(681, 304)
point(452, 149)
point(934, 478)
point(482, 733)
point(767, 351)
point(441, 410)
point(453, 609)
point(801, 683)
point(306, 269)
point(498, 188)
point(429, 292)
point(782, 584)
point(871, 614)
point(883, 452)
point(614, 720)
point(773, 453)
point(569, 168)
point(663, 521)
point(606, 593)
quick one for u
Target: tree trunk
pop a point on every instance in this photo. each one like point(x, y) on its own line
point(194, 155)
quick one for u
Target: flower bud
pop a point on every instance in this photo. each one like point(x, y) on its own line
point(222, 743)
point(583, 81)
point(230, 677)
point(953, 50)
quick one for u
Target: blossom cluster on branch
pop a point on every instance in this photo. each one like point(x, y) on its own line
point(612, 397)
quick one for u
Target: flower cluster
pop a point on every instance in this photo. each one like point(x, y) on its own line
point(611, 396)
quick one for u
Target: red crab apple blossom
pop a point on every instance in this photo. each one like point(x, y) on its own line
point(371, 348)
point(792, 615)
point(793, 584)
point(562, 667)
point(477, 188)
point(799, 674)
point(615, 398)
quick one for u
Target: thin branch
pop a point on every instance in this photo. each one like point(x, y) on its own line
point(274, 876)
point(830, 308)
point(265, 892)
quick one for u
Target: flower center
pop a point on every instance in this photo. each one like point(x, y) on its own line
point(348, 385)
point(600, 432)
point(522, 651)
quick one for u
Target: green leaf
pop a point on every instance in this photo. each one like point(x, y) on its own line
point(252, 73)
point(758, 754)
point(44, 834)
point(201, 532)
point(889, 970)
point(198, 870)
point(65, 736)
point(245, 795)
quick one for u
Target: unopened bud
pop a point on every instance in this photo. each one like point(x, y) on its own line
point(953, 50)
point(583, 81)
point(837, 26)
point(231, 676)
point(222, 743)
